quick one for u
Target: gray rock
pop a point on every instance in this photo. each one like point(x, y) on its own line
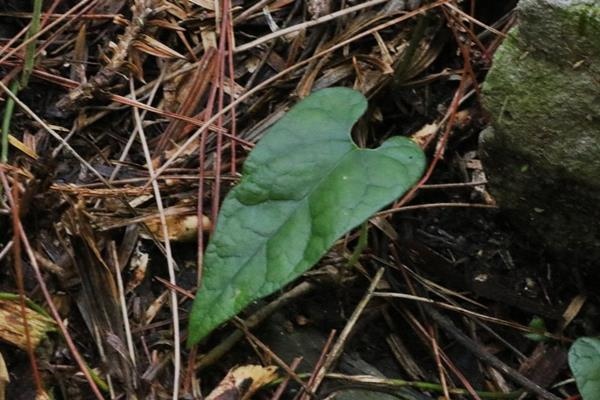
point(542, 157)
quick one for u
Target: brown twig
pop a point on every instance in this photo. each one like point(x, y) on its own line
point(18, 268)
point(340, 343)
point(218, 351)
point(318, 365)
point(481, 353)
point(434, 205)
point(275, 358)
point(283, 385)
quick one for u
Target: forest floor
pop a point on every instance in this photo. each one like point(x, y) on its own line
point(446, 300)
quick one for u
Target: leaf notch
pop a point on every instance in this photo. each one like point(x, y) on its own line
point(304, 185)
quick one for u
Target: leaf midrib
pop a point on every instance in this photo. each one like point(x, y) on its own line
point(309, 193)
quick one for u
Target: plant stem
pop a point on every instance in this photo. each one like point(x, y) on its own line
point(34, 28)
point(361, 245)
point(6, 118)
point(28, 64)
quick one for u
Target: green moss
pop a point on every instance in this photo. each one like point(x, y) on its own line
point(587, 20)
point(543, 95)
point(563, 32)
point(533, 102)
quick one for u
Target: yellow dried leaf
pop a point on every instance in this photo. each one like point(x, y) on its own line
point(425, 134)
point(242, 382)
point(22, 147)
point(182, 228)
point(4, 378)
point(12, 329)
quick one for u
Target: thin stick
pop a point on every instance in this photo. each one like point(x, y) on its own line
point(451, 307)
point(281, 388)
point(18, 264)
point(27, 15)
point(307, 24)
point(6, 249)
point(488, 358)
point(368, 381)
point(218, 351)
point(233, 127)
point(312, 384)
point(453, 185)
point(338, 347)
point(474, 20)
point(438, 363)
point(434, 205)
point(112, 248)
point(275, 358)
point(169, 255)
point(133, 135)
point(243, 16)
point(218, 154)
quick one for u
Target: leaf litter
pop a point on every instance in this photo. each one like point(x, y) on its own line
point(141, 113)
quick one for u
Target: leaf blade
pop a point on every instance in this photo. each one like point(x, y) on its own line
point(305, 184)
point(584, 360)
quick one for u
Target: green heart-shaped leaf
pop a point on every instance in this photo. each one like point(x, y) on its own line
point(304, 185)
point(584, 360)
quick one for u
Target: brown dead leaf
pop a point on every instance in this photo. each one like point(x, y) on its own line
point(242, 382)
point(573, 310)
point(208, 4)
point(166, 24)
point(176, 11)
point(209, 38)
point(151, 46)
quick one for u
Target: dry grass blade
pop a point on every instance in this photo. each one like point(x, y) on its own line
point(99, 300)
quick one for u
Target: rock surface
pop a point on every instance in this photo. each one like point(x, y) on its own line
point(542, 154)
